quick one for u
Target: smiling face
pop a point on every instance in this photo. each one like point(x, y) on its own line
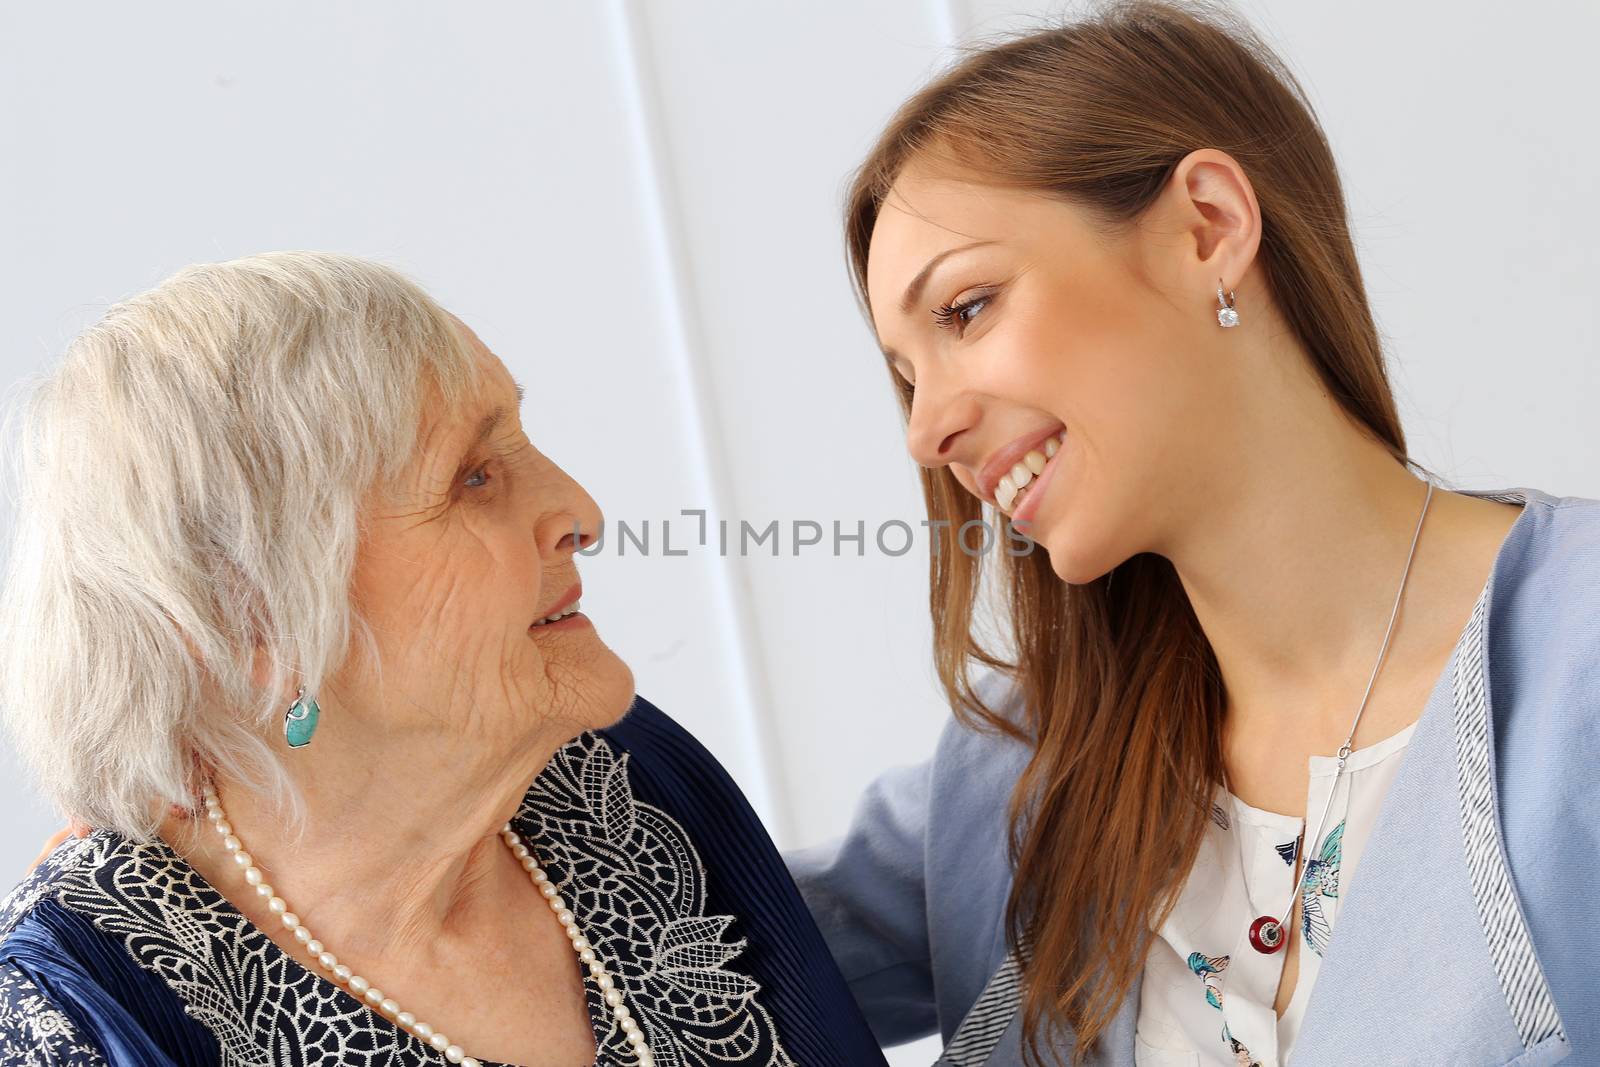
point(1072, 379)
point(463, 563)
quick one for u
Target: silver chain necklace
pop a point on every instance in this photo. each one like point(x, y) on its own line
point(1266, 932)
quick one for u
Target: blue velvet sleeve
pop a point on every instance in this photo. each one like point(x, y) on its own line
point(34, 1031)
point(71, 995)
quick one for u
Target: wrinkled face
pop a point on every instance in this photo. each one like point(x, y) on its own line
point(463, 565)
point(1062, 376)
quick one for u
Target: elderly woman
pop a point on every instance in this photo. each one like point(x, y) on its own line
point(292, 620)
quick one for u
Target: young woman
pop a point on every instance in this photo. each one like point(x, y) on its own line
point(1285, 746)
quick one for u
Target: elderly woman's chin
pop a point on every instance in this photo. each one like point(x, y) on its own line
point(590, 686)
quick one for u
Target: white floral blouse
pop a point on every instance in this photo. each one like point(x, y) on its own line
point(1208, 995)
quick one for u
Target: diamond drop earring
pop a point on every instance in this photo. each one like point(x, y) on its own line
point(1226, 314)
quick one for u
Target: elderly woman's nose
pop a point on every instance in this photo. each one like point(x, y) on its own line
point(938, 418)
point(572, 525)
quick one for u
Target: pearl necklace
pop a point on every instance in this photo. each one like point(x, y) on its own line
point(362, 989)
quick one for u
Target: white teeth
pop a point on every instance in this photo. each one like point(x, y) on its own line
point(1015, 482)
point(558, 616)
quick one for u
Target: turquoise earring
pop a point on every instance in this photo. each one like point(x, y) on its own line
point(300, 721)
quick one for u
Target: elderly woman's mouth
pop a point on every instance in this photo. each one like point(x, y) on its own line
point(563, 614)
point(565, 619)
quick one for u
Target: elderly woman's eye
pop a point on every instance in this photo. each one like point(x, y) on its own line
point(478, 478)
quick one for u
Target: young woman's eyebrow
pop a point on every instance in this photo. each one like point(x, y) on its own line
point(914, 290)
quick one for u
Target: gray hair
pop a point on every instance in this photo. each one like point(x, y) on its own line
point(190, 482)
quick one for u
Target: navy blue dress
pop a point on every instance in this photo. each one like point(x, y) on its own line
point(116, 952)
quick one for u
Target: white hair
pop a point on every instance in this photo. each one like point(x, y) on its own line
point(191, 477)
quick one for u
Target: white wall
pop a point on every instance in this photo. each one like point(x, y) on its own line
point(636, 205)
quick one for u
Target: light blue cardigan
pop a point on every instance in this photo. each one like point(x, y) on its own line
point(1470, 936)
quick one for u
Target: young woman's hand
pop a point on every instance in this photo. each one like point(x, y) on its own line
point(72, 829)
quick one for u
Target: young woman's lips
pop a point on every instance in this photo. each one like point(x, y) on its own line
point(1022, 518)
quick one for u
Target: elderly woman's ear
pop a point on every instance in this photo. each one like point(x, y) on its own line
point(261, 672)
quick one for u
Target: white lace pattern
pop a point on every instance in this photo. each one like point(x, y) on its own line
point(627, 869)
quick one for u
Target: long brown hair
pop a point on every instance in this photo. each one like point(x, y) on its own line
point(1124, 702)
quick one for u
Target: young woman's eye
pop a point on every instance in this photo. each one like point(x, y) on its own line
point(478, 478)
point(958, 314)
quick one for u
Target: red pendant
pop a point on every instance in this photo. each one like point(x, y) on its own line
point(1266, 935)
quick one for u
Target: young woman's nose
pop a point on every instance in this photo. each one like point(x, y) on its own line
point(939, 417)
